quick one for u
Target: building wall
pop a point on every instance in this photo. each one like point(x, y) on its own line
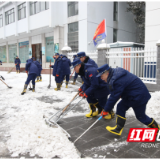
point(152, 24)
point(126, 28)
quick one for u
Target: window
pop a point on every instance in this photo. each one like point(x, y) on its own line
point(10, 16)
point(72, 9)
point(1, 20)
point(36, 7)
point(73, 36)
point(114, 35)
point(115, 11)
point(22, 11)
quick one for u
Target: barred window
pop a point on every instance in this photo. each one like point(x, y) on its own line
point(72, 9)
point(22, 11)
point(10, 16)
point(36, 7)
point(73, 36)
point(115, 11)
point(1, 20)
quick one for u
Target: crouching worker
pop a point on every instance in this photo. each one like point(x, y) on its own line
point(93, 88)
point(133, 93)
point(33, 69)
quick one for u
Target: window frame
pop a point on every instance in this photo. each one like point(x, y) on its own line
point(7, 16)
point(74, 35)
point(74, 4)
point(21, 9)
point(1, 18)
point(39, 4)
point(115, 12)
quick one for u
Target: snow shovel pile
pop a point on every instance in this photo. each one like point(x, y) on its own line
point(1, 78)
point(52, 121)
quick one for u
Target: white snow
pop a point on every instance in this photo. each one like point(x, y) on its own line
point(24, 116)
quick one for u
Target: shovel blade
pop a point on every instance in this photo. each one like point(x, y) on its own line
point(49, 86)
point(9, 87)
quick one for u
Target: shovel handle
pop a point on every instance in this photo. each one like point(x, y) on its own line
point(70, 102)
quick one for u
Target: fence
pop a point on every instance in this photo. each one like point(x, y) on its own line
point(139, 61)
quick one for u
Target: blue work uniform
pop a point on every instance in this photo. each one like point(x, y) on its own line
point(17, 63)
point(132, 91)
point(93, 86)
point(33, 68)
point(66, 63)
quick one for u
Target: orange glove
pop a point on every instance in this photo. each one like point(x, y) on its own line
point(50, 65)
point(84, 95)
point(15, 64)
point(80, 90)
point(57, 75)
point(104, 113)
point(81, 94)
point(26, 71)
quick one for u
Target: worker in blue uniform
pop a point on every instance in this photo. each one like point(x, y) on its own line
point(32, 69)
point(76, 75)
point(57, 71)
point(133, 93)
point(17, 64)
point(93, 88)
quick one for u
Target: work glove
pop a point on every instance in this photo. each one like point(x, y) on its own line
point(80, 90)
point(104, 113)
point(81, 94)
point(57, 75)
point(84, 95)
point(26, 71)
point(50, 65)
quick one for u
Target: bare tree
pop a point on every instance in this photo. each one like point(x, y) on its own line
point(138, 10)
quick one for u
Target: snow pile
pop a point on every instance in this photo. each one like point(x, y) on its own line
point(24, 116)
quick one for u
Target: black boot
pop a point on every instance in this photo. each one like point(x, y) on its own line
point(119, 127)
point(99, 109)
point(33, 89)
point(92, 110)
point(153, 124)
point(24, 90)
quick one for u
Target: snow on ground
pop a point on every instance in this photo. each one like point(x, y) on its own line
point(24, 116)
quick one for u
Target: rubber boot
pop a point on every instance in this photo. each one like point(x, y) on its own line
point(40, 78)
point(92, 110)
point(17, 71)
point(99, 109)
point(110, 115)
point(119, 127)
point(33, 88)
point(154, 124)
point(66, 84)
point(37, 79)
point(82, 82)
point(58, 87)
point(74, 82)
point(24, 90)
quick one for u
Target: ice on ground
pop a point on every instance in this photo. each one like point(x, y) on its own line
point(28, 132)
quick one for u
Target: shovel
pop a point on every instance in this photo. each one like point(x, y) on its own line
point(5, 84)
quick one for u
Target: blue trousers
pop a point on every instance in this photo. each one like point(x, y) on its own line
point(139, 111)
point(32, 77)
point(67, 77)
point(59, 79)
point(76, 75)
point(17, 67)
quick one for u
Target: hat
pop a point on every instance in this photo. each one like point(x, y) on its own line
point(81, 54)
point(76, 62)
point(56, 54)
point(102, 69)
point(16, 56)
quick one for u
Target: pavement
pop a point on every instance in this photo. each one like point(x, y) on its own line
point(99, 143)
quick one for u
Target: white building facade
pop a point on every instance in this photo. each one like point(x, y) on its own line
point(39, 29)
point(152, 23)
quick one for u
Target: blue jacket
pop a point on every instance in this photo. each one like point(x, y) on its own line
point(126, 85)
point(17, 61)
point(57, 67)
point(66, 63)
point(33, 67)
point(93, 84)
point(0, 62)
point(90, 61)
